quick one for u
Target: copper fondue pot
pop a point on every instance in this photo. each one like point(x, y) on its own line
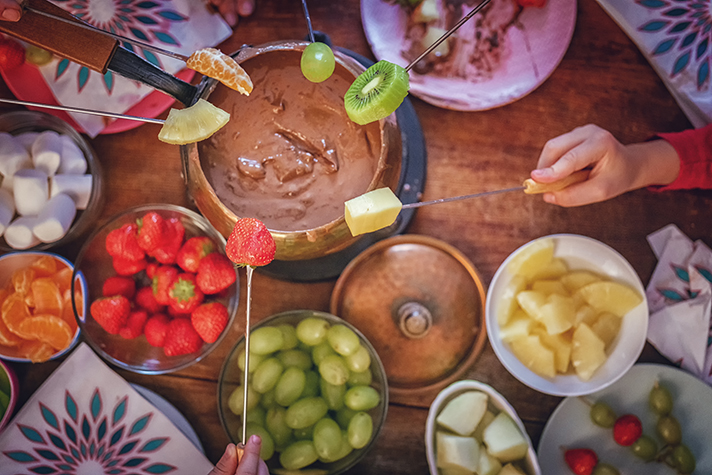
point(327, 238)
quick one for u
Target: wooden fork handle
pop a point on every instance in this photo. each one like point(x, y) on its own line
point(88, 48)
point(532, 187)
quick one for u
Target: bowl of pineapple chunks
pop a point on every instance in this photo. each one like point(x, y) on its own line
point(472, 429)
point(566, 315)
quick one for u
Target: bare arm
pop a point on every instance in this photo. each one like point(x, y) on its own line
point(232, 9)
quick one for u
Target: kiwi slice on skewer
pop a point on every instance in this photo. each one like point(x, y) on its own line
point(376, 93)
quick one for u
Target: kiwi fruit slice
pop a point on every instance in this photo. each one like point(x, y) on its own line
point(376, 93)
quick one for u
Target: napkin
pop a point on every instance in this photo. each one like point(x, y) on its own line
point(679, 299)
point(85, 418)
point(181, 26)
point(673, 37)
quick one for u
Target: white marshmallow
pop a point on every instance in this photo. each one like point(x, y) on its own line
point(78, 187)
point(6, 184)
point(13, 155)
point(31, 191)
point(54, 220)
point(47, 152)
point(27, 139)
point(72, 161)
point(7, 209)
point(19, 234)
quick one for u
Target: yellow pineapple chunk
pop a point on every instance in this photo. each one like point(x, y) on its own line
point(576, 279)
point(534, 355)
point(557, 314)
point(606, 327)
point(192, 124)
point(554, 270)
point(588, 352)
point(372, 211)
point(612, 297)
point(585, 314)
point(561, 345)
point(507, 302)
point(549, 287)
point(532, 258)
point(518, 326)
point(531, 302)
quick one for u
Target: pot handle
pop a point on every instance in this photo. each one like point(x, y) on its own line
point(86, 47)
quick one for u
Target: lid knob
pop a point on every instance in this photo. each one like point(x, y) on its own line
point(415, 320)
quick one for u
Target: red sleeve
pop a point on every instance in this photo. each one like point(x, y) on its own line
point(694, 147)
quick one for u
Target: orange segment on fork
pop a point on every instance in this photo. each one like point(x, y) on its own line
point(215, 64)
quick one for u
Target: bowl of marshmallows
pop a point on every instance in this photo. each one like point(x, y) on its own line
point(51, 182)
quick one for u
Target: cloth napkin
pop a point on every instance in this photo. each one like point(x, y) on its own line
point(85, 418)
point(181, 26)
point(679, 298)
point(673, 37)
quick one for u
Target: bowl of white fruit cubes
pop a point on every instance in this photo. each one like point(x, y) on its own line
point(566, 315)
point(472, 429)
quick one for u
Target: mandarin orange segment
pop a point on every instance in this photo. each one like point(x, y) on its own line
point(22, 280)
point(63, 278)
point(45, 266)
point(48, 298)
point(68, 312)
point(14, 310)
point(215, 64)
point(36, 351)
point(8, 338)
point(48, 329)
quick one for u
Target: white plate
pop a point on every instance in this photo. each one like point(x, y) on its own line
point(536, 43)
point(570, 425)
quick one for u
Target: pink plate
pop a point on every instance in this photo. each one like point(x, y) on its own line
point(531, 48)
point(27, 84)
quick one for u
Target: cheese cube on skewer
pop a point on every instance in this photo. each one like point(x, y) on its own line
point(372, 211)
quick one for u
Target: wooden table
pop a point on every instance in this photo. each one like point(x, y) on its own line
point(602, 79)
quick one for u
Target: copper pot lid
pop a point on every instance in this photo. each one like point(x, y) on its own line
point(421, 304)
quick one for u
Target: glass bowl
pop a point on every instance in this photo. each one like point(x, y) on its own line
point(20, 122)
point(9, 263)
point(94, 266)
point(231, 378)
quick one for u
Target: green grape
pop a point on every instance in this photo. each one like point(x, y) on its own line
point(683, 459)
point(305, 412)
point(297, 358)
point(344, 416)
point(362, 398)
point(266, 375)
point(669, 430)
point(321, 351)
point(255, 360)
point(660, 400)
point(605, 469)
point(645, 448)
point(306, 433)
point(256, 415)
point(267, 449)
point(290, 386)
point(332, 394)
point(360, 430)
point(266, 340)
point(236, 400)
point(359, 361)
point(602, 415)
point(317, 62)
point(290, 336)
point(298, 455)
point(360, 379)
point(312, 331)
point(333, 369)
point(267, 400)
point(38, 56)
point(343, 340)
point(343, 451)
point(277, 427)
point(311, 385)
point(327, 438)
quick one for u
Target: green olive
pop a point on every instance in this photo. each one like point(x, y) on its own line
point(602, 415)
point(669, 430)
point(645, 448)
point(605, 469)
point(683, 459)
point(660, 400)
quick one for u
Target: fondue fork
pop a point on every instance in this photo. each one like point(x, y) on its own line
point(309, 25)
point(83, 111)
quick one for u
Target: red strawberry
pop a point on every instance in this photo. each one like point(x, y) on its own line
point(209, 320)
point(111, 312)
point(192, 251)
point(151, 269)
point(122, 243)
point(162, 280)
point(181, 338)
point(581, 461)
point(155, 329)
point(12, 54)
point(147, 301)
point(134, 324)
point(184, 294)
point(127, 267)
point(215, 273)
point(152, 230)
point(119, 286)
point(176, 314)
point(627, 430)
point(250, 243)
point(168, 250)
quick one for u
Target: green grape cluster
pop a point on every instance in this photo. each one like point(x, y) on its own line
point(309, 392)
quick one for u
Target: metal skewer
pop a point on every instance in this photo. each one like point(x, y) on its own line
point(446, 35)
point(249, 270)
point(87, 26)
point(463, 197)
point(309, 25)
point(83, 111)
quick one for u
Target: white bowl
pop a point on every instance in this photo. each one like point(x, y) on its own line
point(580, 253)
point(496, 400)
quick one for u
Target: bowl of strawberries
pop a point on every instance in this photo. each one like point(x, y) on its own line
point(162, 292)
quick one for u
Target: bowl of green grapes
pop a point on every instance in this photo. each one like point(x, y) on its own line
point(316, 392)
